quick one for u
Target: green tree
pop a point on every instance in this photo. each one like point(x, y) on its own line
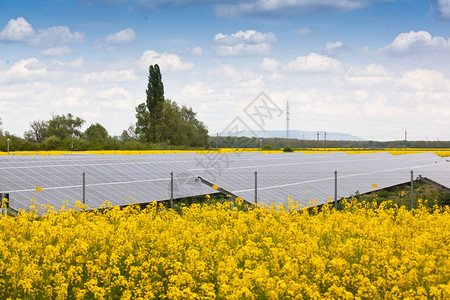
point(51, 143)
point(180, 127)
point(129, 134)
point(62, 126)
point(162, 121)
point(196, 131)
point(38, 131)
point(143, 128)
point(96, 133)
point(155, 101)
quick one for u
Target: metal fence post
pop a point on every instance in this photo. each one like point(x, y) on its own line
point(256, 187)
point(171, 189)
point(412, 189)
point(84, 188)
point(335, 190)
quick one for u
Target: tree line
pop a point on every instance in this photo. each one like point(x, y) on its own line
point(280, 143)
point(160, 124)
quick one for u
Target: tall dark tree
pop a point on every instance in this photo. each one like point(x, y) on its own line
point(155, 100)
point(160, 120)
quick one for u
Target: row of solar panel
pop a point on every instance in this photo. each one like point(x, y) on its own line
point(145, 178)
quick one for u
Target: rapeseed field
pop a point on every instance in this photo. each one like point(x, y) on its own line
point(395, 151)
point(209, 251)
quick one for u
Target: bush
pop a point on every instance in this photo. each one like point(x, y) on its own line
point(267, 147)
point(133, 145)
point(51, 143)
point(288, 149)
point(27, 146)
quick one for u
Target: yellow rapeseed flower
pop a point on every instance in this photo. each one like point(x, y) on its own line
point(364, 251)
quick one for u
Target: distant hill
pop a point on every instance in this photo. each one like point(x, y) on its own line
point(301, 135)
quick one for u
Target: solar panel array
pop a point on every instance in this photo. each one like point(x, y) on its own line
point(125, 179)
point(305, 178)
point(438, 173)
point(119, 179)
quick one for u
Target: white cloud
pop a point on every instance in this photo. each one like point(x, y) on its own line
point(332, 47)
point(441, 8)
point(17, 30)
point(53, 38)
point(415, 42)
point(75, 97)
point(228, 79)
point(360, 95)
point(24, 70)
point(313, 63)
point(248, 36)
point(56, 36)
point(371, 70)
point(304, 31)
point(115, 98)
point(57, 51)
point(195, 90)
point(197, 51)
point(77, 63)
point(168, 62)
point(249, 42)
point(287, 7)
point(122, 37)
point(225, 70)
point(368, 76)
point(109, 76)
point(422, 79)
point(243, 50)
point(270, 64)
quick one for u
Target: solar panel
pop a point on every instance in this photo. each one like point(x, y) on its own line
point(438, 173)
point(125, 179)
point(119, 179)
point(305, 179)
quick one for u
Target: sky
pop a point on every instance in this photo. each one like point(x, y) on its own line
point(369, 68)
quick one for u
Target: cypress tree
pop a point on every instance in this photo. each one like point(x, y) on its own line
point(155, 100)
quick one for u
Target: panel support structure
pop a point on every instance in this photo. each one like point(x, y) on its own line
point(335, 190)
point(171, 189)
point(219, 189)
point(256, 187)
point(435, 184)
point(412, 187)
point(84, 188)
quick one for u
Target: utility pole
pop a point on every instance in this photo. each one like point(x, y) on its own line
point(406, 134)
point(287, 120)
point(217, 137)
point(317, 141)
point(325, 141)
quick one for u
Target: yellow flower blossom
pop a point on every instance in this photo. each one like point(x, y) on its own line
point(263, 251)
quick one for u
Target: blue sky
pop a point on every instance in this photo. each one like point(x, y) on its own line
point(368, 68)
